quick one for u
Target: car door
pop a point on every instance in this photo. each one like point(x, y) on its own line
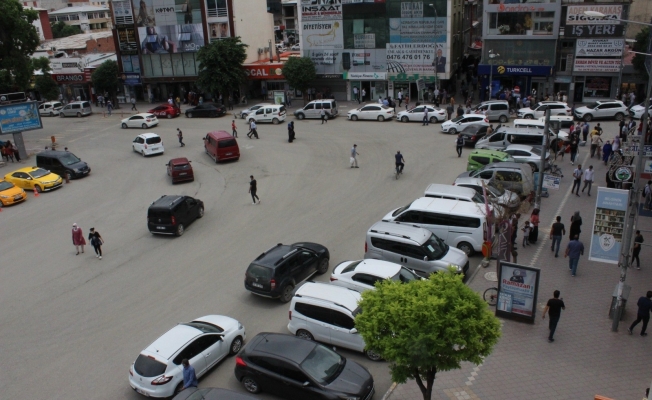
point(180, 213)
point(410, 216)
point(341, 331)
point(193, 209)
point(507, 180)
point(309, 110)
point(138, 144)
point(285, 380)
point(135, 122)
point(435, 223)
point(316, 113)
point(259, 116)
point(306, 263)
point(365, 112)
point(317, 320)
point(214, 349)
point(269, 113)
point(411, 256)
point(21, 179)
point(540, 111)
point(193, 352)
point(416, 114)
point(41, 109)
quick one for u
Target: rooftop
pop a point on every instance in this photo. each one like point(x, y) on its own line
point(78, 9)
point(74, 41)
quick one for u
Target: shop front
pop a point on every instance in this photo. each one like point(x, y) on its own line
point(530, 79)
point(265, 81)
point(373, 83)
point(596, 68)
point(75, 86)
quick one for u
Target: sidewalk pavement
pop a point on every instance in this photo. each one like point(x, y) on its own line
point(586, 358)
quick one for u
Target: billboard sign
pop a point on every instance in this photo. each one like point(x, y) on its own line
point(364, 41)
point(416, 57)
point(122, 12)
point(518, 287)
point(19, 117)
point(171, 39)
point(321, 10)
point(575, 15)
point(608, 225)
point(596, 65)
point(599, 47)
point(321, 35)
point(127, 41)
point(167, 12)
point(594, 30)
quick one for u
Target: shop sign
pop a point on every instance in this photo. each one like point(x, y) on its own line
point(130, 79)
point(529, 70)
point(319, 10)
point(575, 15)
point(594, 30)
point(597, 65)
point(69, 78)
point(264, 71)
point(323, 35)
point(365, 76)
point(329, 76)
point(599, 47)
point(414, 57)
point(364, 41)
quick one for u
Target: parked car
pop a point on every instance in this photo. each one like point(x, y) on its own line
point(610, 109)
point(496, 194)
point(142, 120)
point(539, 110)
point(494, 110)
point(166, 110)
point(76, 109)
point(361, 275)
point(295, 47)
point(247, 111)
point(221, 146)
point(171, 215)
point(313, 109)
point(510, 175)
point(148, 144)
point(478, 158)
point(34, 178)
point(277, 271)
point(636, 112)
point(416, 114)
point(209, 110)
point(193, 393)
point(180, 170)
point(11, 194)
point(62, 163)
point(473, 133)
point(275, 114)
point(205, 341)
point(371, 111)
point(530, 155)
point(458, 124)
point(50, 108)
point(295, 368)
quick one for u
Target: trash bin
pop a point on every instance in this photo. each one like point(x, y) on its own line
point(614, 301)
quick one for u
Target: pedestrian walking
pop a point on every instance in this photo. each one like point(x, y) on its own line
point(400, 97)
point(574, 250)
point(109, 107)
point(644, 307)
point(324, 116)
point(425, 116)
point(553, 308)
point(78, 238)
point(534, 224)
point(96, 241)
point(638, 239)
point(647, 193)
point(576, 223)
point(556, 233)
point(526, 233)
point(180, 136)
point(252, 130)
point(178, 102)
point(252, 189)
point(291, 132)
point(588, 179)
point(363, 93)
point(596, 144)
point(450, 108)
point(234, 130)
point(355, 94)
point(460, 110)
point(573, 150)
point(189, 376)
point(459, 143)
point(133, 104)
point(514, 223)
point(577, 180)
point(606, 152)
point(354, 156)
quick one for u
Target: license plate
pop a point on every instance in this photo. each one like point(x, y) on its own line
point(258, 285)
point(18, 197)
point(142, 392)
point(228, 154)
point(160, 227)
point(183, 173)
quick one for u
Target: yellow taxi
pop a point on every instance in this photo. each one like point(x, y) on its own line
point(10, 194)
point(34, 178)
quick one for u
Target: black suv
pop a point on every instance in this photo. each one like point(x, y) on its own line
point(170, 215)
point(473, 133)
point(277, 271)
point(62, 163)
point(295, 368)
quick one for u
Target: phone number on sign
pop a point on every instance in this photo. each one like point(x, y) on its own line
point(408, 57)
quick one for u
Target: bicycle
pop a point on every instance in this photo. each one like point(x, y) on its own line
point(397, 172)
point(553, 169)
point(491, 296)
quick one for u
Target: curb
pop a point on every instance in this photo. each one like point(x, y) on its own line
point(389, 391)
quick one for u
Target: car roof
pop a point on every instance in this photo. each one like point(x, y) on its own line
point(383, 269)
point(474, 115)
point(270, 257)
point(26, 169)
point(339, 295)
point(147, 114)
point(285, 346)
point(179, 161)
point(212, 393)
point(445, 206)
point(449, 189)
point(219, 320)
point(520, 147)
point(166, 201)
point(148, 135)
point(171, 341)
point(406, 231)
point(217, 135)
point(491, 152)
point(52, 153)
point(504, 165)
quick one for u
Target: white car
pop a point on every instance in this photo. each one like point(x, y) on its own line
point(498, 195)
point(362, 275)
point(539, 110)
point(295, 47)
point(636, 112)
point(525, 154)
point(614, 109)
point(157, 372)
point(456, 125)
point(371, 111)
point(416, 114)
point(144, 120)
point(50, 108)
point(148, 144)
point(252, 109)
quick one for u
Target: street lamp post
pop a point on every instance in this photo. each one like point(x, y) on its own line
point(492, 55)
point(435, 61)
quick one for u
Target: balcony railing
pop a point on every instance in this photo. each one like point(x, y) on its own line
point(218, 12)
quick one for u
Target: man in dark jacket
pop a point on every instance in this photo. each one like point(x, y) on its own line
point(644, 307)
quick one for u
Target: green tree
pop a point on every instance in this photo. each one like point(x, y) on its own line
point(45, 85)
point(426, 326)
point(642, 40)
point(18, 40)
point(299, 72)
point(220, 65)
point(60, 30)
point(105, 78)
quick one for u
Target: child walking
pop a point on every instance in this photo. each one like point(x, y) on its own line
point(234, 129)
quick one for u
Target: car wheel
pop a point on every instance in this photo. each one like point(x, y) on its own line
point(236, 345)
point(180, 230)
point(381, 118)
point(502, 119)
point(144, 126)
point(588, 117)
point(452, 131)
point(275, 121)
point(78, 115)
point(303, 334)
point(405, 119)
point(250, 385)
point(300, 116)
point(372, 355)
point(619, 116)
point(201, 211)
point(179, 388)
point(124, 126)
point(189, 115)
point(354, 117)
point(169, 115)
point(529, 116)
point(37, 189)
point(433, 120)
point(466, 248)
point(51, 114)
point(323, 266)
point(533, 166)
point(286, 294)
point(68, 175)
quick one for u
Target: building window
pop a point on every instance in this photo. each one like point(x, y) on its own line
point(521, 23)
point(562, 64)
point(597, 87)
point(216, 8)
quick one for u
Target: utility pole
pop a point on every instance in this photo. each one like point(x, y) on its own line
point(542, 166)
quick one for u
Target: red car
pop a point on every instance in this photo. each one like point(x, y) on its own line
point(166, 110)
point(180, 170)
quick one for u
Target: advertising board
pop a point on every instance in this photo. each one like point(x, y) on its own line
point(597, 65)
point(575, 15)
point(19, 117)
point(599, 47)
point(518, 287)
point(321, 35)
point(608, 225)
point(594, 30)
point(416, 57)
point(171, 39)
point(321, 10)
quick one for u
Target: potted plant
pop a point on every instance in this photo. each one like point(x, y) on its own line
point(528, 24)
point(549, 28)
point(503, 29)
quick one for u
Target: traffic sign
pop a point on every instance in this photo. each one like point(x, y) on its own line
point(633, 150)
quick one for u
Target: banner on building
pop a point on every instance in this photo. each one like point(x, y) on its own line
point(575, 15)
point(122, 12)
point(171, 39)
point(594, 30)
point(321, 10)
point(364, 41)
point(167, 12)
point(608, 225)
point(596, 65)
point(599, 47)
point(127, 41)
point(219, 30)
point(319, 35)
point(518, 288)
point(416, 57)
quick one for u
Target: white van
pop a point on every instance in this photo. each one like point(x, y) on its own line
point(448, 192)
point(561, 122)
point(504, 137)
point(460, 224)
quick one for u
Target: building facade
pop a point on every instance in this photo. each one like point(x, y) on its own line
point(87, 18)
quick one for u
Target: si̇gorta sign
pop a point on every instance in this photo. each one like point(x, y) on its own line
point(518, 287)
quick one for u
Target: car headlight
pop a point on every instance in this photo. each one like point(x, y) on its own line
point(457, 267)
point(240, 327)
point(5, 197)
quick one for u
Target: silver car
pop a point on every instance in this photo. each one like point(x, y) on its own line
point(76, 109)
point(525, 154)
point(496, 193)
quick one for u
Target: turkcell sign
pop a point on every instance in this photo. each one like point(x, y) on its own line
point(532, 70)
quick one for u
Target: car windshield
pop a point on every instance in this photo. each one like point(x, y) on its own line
point(38, 173)
point(592, 105)
point(457, 119)
point(435, 247)
point(323, 364)
point(478, 198)
point(351, 267)
point(153, 140)
point(535, 150)
point(400, 210)
point(259, 272)
point(478, 171)
point(148, 367)
point(496, 191)
point(405, 275)
point(4, 185)
point(69, 159)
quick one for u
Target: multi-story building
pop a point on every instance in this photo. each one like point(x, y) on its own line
point(87, 18)
point(42, 24)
